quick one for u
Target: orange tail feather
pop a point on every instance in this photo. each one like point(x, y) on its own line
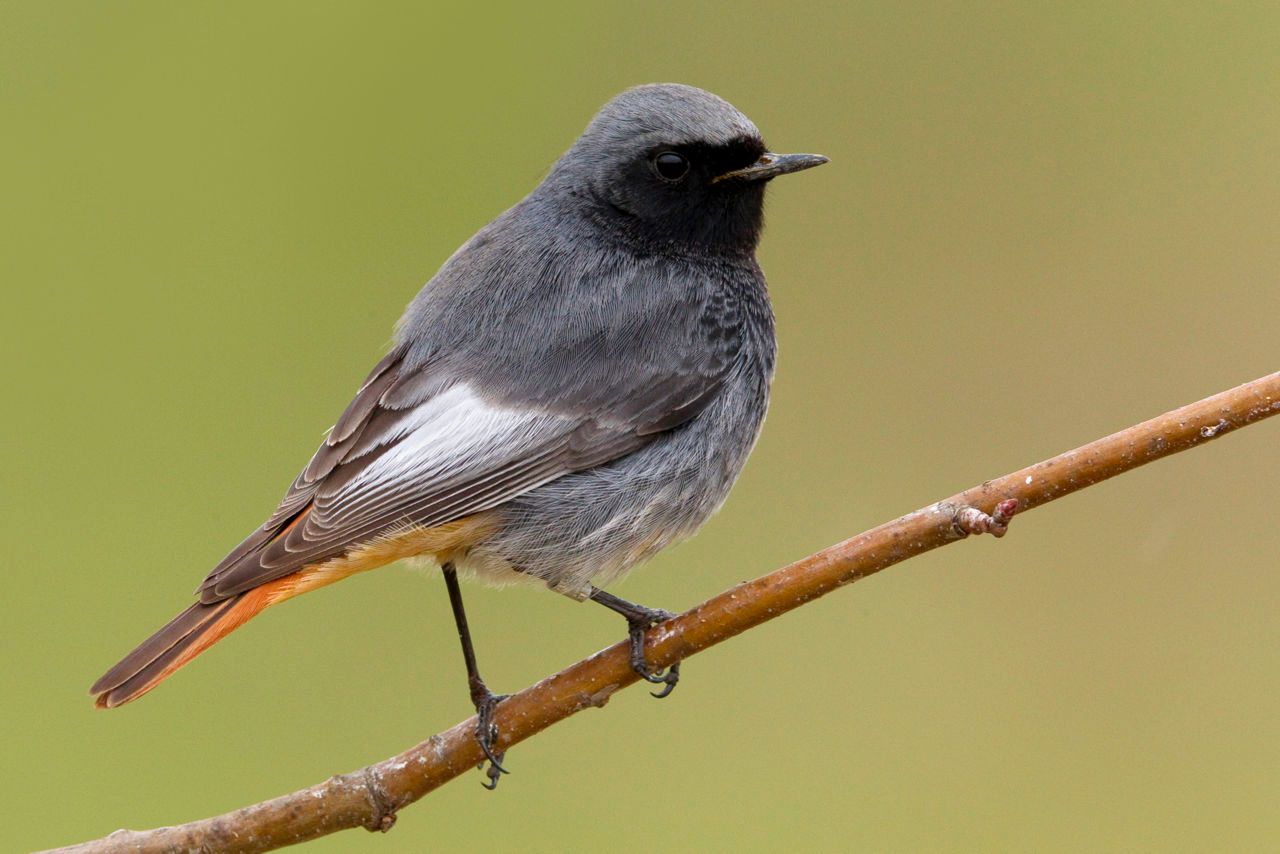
point(186, 636)
point(202, 625)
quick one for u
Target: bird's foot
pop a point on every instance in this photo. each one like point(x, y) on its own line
point(636, 628)
point(487, 734)
point(639, 620)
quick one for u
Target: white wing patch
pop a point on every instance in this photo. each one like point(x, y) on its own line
point(454, 437)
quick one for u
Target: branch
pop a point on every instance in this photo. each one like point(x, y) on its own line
point(370, 797)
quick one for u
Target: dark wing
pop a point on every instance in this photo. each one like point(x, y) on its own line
point(418, 447)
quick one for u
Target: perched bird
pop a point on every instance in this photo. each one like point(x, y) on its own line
point(575, 389)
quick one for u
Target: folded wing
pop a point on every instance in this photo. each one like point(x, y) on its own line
point(419, 447)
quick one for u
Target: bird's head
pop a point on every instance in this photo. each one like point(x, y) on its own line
point(675, 165)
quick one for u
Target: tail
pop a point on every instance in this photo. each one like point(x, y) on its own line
point(202, 625)
point(186, 636)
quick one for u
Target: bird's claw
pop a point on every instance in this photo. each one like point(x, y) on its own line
point(637, 627)
point(667, 679)
point(487, 736)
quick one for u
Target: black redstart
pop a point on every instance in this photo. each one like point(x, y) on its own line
point(575, 389)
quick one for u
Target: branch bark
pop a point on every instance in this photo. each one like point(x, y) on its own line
point(371, 797)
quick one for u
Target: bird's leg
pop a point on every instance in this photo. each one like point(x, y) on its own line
point(639, 620)
point(482, 698)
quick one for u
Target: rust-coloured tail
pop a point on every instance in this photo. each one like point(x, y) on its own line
point(186, 636)
point(202, 625)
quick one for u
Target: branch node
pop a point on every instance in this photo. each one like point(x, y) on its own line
point(970, 520)
point(598, 699)
point(384, 811)
point(1211, 430)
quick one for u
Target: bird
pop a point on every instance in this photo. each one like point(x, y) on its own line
point(577, 388)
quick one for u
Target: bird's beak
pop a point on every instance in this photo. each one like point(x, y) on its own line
point(772, 165)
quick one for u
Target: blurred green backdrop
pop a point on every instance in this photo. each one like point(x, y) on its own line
point(1039, 225)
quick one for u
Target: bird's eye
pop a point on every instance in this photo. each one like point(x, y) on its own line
point(671, 166)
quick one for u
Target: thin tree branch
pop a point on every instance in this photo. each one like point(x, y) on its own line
point(371, 796)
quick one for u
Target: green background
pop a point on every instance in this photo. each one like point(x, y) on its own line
point(1039, 225)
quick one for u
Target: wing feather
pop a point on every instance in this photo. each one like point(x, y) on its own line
point(412, 449)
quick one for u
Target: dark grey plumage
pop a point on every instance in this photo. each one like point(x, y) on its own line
point(591, 369)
